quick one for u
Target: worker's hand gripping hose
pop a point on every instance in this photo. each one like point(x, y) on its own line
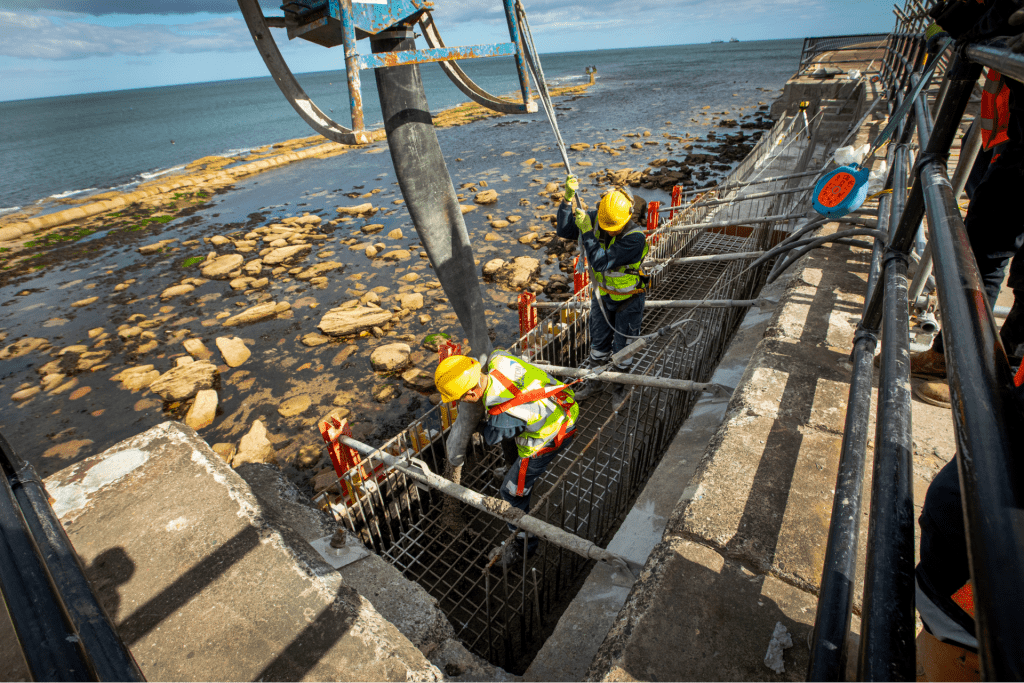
point(469, 417)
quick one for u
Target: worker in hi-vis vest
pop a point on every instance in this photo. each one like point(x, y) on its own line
point(522, 403)
point(615, 247)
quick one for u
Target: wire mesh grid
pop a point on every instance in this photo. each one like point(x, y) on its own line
point(444, 545)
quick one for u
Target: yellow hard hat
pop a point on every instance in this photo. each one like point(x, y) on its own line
point(455, 376)
point(615, 210)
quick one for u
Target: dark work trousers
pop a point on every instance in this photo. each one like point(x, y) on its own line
point(625, 316)
point(995, 225)
point(995, 228)
point(517, 487)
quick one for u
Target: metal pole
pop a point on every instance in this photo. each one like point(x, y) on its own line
point(348, 39)
point(962, 78)
point(968, 153)
point(990, 441)
point(682, 303)
point(835, 602)
point(626, 378)
point(887, 638)
point(735, 222)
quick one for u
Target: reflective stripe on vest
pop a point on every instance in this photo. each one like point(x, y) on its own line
point(549, 420)
point(621, 284)
point(995, 110)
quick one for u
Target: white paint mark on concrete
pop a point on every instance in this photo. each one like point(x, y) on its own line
point(177, 524)
point(74, 495)
point(639, 533)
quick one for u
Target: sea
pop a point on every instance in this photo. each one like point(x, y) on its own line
point(77, 145)
point(69, 147)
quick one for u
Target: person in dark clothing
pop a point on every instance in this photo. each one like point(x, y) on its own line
point(995, 225)
point(615, 247)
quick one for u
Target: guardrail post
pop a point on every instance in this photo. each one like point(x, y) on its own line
point(580, 279)
point(677, 200)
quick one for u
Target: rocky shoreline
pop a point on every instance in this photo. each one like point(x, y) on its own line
point(251, 333)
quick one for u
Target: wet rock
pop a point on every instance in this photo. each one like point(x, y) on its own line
point(155, 247)
point(234, 350)
point(527, 238)
point(396, 234)
point(254, 447)
point(254, 267)
point(197, 349)
point(579, 146)
point(314, 339)
point(344, 355)
point(249, 315)
point(397, 255)
point(338, 322)
point(499, 224)
point(382, 393)
point(139, 377)
point(203, 410)
point(418, 379)
point(360, 210)
point(371, 251)
point(259, 284)
point(410, 301)
point(25, 394)
point(390, 357)
point(219, 267)
point(224, 450)
point(24, 347)
point(466, 208)
point(67, 386)
point(241, 282)
point(370, 298)
point(318, 269)
point(372, 228)
point(492, 237)
point(486, 197)
point(79, 393)
point(492, 267)
point(296, 405)
point(433, 341)
point(53, 380)
point(282, 254)
point(219, 240)
point(176, 290)
point(519, 272)
point(513, 218)
point(85, 302)
point(185, 381)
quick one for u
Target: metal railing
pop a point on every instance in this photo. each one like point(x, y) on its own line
point(446, 546)
point(986, 412)
point(61, 629)
point(814, 47)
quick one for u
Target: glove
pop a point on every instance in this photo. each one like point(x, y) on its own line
point(572, 184)
point(583, 221)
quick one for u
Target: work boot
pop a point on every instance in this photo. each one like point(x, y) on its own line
point(616, 390)
point(928, 364)
point(511, 555)
point(933, 393)
point(588, 387)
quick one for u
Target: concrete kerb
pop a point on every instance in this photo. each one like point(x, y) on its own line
point(221, 583)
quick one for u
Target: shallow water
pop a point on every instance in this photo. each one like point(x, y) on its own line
point(55, 431)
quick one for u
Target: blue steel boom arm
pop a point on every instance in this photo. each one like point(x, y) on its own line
point(342, 22)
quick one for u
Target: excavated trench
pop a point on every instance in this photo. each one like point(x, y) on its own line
point(506, 615)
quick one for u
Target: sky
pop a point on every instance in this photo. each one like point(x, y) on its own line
point(63, 47)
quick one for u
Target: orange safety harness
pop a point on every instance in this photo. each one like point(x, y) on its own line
point(520, 397)
point(995, 110)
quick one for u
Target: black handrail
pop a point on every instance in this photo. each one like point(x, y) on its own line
point(63, 632)
point(987, 413)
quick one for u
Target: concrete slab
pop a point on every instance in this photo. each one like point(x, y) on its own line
point(205, 583)
point(719, 629)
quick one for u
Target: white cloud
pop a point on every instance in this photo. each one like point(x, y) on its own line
point(59, 38)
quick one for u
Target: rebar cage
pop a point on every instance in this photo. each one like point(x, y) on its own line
point(445, 546)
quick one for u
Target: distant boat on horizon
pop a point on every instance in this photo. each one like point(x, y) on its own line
point(734, 40)
point(717, 41)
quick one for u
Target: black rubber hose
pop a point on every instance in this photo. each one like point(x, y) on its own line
point(428, 190)
point(430, 197)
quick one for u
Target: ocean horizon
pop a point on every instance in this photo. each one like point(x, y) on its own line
point(77, 145)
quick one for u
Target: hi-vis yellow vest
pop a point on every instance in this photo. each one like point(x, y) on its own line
point(531, 395)
point(622, 283)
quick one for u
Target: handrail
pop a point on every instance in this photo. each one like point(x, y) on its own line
point(61, 628)
point(987, 411)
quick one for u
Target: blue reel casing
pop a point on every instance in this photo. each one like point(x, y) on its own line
point(841, 191)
